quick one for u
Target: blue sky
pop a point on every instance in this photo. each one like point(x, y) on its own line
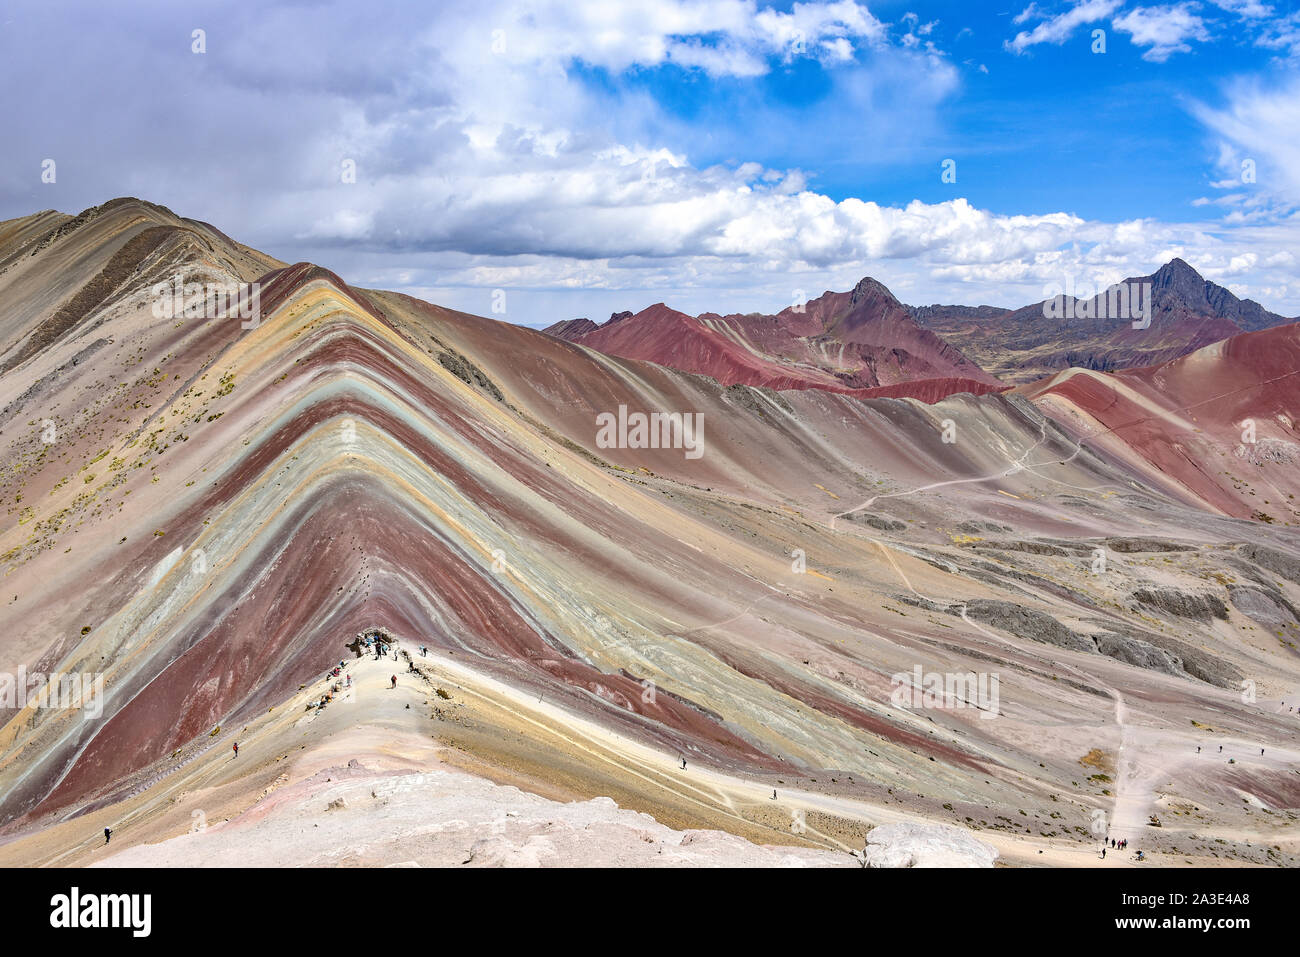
point(587, 157)
point(1057, 127)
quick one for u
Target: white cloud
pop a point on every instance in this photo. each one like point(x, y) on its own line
point(1246, 9)
point(720, 37)
point(1281, 34)
point(491, 160)
point(1259, 124)
point(525, 192)
point(1165, 30)
point(1058, 29)
point(838, 50)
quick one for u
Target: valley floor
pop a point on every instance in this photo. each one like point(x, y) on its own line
point(402, 776)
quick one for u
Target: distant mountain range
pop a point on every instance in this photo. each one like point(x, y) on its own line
point(1021, 345)
point(863, 343)
point(201, 514)
point(867, 343)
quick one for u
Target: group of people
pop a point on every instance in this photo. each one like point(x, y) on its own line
point(336, 686)
point(377, 641)
point(1230, 760)
point(1119, 844)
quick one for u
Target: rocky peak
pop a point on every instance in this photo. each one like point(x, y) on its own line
point(1178, 278)
point(868, 288)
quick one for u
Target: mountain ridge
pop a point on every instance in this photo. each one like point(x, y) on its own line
point(1005, 345)
point(206, 512)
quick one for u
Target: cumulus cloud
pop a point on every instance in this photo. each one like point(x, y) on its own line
point(1163, 30)
point(514, 149)
point(720, 37)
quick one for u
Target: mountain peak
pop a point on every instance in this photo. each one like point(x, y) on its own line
point(1178, 269)
point(570, 329)
point(868, 288)
point(1179, 279)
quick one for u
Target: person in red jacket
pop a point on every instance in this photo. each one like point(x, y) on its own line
point(394, 681)
point(236, 747)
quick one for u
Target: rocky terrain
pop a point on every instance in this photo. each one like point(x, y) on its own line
point(1187, 312)
point(862, 343)
point(865, 343)
point(634, 656)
